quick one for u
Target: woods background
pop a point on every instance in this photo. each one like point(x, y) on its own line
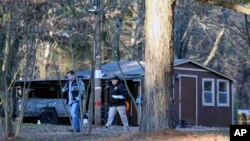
point(39, 37)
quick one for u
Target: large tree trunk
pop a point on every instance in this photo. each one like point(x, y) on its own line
point(159, 65)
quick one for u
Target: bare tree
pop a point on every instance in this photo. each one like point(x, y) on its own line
point(184, 22)
point(8, 48)
point(137, 40)
point(15, 21)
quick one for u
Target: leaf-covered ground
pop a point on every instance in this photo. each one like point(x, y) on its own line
point(35, 132)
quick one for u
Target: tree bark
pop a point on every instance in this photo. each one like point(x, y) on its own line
point(159, 66)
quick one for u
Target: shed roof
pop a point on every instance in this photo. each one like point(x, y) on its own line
point(134, 69)
point(183, 61)
point(130, 69)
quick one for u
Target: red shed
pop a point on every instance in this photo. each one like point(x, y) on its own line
point(201, 96)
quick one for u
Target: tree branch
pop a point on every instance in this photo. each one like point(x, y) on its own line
point(233, 5)
point(216, 45)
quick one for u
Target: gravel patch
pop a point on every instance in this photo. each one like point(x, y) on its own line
point(43, 132)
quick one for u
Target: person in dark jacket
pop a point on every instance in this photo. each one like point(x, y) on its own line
point(117, 95)
point(75, 90)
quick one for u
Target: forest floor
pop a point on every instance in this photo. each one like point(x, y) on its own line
point(42, 132)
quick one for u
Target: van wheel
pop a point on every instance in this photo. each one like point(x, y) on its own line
point(48, 116)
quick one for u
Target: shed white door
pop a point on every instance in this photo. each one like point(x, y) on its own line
point(188, 99)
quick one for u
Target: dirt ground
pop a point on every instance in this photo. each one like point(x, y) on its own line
point(41, 132)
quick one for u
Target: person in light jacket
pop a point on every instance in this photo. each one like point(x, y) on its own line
point(75, 90)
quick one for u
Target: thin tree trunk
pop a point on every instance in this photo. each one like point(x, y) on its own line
point(159, 65)
point(215, 47)
point(248, 34)
point(230, 4)
point(45, 57)
point(98, 71)
point(136, 35)
point(182, 46)
point(117, 27)
point(6, 99)
point(30, 63)
point(91, 99)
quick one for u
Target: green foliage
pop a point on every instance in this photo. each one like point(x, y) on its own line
point(59, 11)
point(247, 5)
point(128, 15)
point(236, 107)
point(104, 36)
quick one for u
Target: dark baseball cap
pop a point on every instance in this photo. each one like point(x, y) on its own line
point(116, 78)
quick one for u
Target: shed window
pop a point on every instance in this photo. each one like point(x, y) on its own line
point(223, 93)
point(208, 92)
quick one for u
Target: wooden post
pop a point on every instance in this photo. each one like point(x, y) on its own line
point(98, 72)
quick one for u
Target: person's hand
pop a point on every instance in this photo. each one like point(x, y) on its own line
point(76, 98)
point(64, 89)
point(118, 96)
